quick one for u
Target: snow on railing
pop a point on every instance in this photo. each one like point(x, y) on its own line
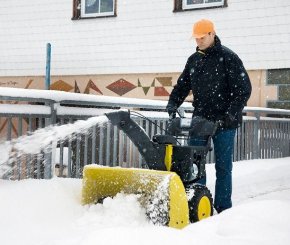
point(24, 111)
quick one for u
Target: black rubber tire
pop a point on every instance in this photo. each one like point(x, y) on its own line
point(200, 204)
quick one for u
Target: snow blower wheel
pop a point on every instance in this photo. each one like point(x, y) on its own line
point(200, 204)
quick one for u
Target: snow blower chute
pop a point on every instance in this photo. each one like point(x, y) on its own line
point(168, 189)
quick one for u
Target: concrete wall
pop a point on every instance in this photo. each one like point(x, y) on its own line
point(147, 86)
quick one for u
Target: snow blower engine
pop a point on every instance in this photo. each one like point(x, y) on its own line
point(168, 189)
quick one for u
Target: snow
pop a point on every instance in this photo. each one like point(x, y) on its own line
point(66, 110)
point(43, 137)
point(49, 212)
point(267, 110)
point(59, 96)
point(25, 109)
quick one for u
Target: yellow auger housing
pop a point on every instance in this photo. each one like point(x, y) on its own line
point(101, 182)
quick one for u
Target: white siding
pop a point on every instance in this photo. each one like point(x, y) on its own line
point(145, 37)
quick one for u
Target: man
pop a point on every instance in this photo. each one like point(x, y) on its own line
point(221, 88)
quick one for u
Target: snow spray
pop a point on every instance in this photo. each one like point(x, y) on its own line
point(41, 141)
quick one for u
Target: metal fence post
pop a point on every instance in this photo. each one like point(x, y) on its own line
point(53, 107)
point(256, 148)
point(48, 156)
point(181, 112)
point(48, 59)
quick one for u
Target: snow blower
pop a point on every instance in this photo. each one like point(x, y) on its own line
point(168, 189)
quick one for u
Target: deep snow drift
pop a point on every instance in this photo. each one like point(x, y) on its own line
point(49, 212)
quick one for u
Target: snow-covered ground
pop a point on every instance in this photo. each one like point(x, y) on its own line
point(49, 212)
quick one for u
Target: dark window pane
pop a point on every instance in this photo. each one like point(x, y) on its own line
point(284, 92)
point(279, 76)
point(213, 1)
point(279, 104)
point(92, 6)
point(195, 1)
point(106, 6)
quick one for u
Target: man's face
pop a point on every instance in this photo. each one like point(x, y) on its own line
point(205, 42)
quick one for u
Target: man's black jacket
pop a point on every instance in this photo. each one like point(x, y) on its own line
point(219, 83)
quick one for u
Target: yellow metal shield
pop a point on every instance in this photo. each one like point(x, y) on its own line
point(161, 192)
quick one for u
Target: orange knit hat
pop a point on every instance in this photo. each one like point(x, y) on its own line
point(202, 28)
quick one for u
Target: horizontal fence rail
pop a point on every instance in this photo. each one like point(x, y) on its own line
point(265, 133)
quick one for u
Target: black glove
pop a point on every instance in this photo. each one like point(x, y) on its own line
point(226, 121)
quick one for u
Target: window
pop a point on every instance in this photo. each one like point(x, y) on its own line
point(93, 8)
point(181, 5)
point(193, 4)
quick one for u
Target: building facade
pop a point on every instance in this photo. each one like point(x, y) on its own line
point(137, 48)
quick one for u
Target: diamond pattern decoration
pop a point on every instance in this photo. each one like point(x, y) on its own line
point(121, 87)
point(92, 85)
point(160, 91)
point(145, 88)
point(61, 85)
point(159, 84)
point(165, 81)
point(77, 89)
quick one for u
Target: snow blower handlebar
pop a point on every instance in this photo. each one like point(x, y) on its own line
point(153, 153)
point(162, 153)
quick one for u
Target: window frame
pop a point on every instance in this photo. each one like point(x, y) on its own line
point(79, 11)
point(201, 5)
point(180, 6)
